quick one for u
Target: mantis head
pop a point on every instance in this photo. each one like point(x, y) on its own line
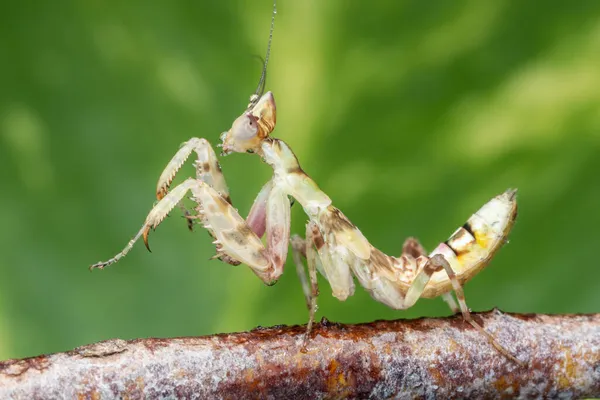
point(252, 127)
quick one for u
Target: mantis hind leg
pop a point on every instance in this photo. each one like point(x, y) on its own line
point(435, 264)
point(460, 296)
point(413, 248)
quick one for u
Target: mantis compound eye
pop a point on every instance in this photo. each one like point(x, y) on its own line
point(244, 128)
point(251, 126)
point(243, 135)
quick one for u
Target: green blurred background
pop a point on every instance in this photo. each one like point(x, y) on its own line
point(409, 114)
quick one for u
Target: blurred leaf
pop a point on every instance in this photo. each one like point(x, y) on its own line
point(410, 115)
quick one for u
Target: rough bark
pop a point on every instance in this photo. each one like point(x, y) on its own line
point(424, 358)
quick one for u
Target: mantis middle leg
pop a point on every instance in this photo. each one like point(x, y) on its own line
point(307, 248)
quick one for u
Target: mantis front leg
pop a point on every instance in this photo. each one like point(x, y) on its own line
point(207, 170)
point(269, 213)
point(233, 236)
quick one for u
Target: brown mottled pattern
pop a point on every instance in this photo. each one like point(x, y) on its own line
point(223, 204)
point(431, 267)
point(331, 221)
point(413, 248)
point(335, 220)
point(382, 263)
point(235, 236)
point(227, 198)
point(407, 267)
point(229, 260)
point(244, 230)
point(266, 114)
point(275, 238)
point(219, 248)
point(317, 238)
point(424, 358)
point(296, 169)
point(276, 260)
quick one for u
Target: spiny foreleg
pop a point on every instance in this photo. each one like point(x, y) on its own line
point(207, 170)
point(158, 213)
point(233, 235)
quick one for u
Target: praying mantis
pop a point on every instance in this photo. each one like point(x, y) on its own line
point(332, 244)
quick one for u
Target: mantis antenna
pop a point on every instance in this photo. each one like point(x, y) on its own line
point(260, 89)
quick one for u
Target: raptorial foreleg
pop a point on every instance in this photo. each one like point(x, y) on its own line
point(233, 235)
point(158, 213)
point(207, 170)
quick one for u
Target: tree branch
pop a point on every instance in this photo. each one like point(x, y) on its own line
point(428, 358)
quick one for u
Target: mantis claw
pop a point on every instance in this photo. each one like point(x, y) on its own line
point(99, 265)
point(145, 237)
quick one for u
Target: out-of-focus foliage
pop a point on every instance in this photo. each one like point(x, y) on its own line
point(409, 114)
